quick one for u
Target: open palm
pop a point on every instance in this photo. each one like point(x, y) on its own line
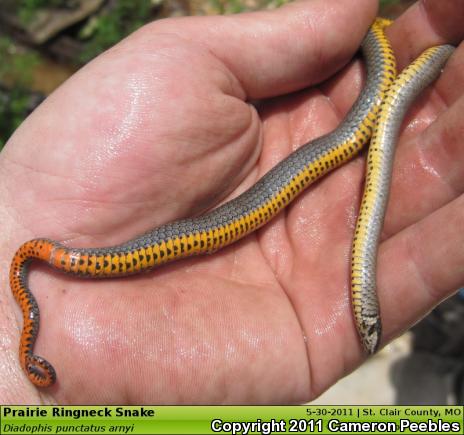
point(161, 127)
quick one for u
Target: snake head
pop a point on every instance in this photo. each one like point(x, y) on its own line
point(370, 333)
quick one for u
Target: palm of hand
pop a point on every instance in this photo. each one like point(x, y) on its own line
point(266, 319)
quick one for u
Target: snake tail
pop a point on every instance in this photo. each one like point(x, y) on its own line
point(37, 369)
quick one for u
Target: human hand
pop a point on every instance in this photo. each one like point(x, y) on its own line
point(159, 128)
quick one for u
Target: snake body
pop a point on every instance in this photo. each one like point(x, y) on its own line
point(223, 225)
point(413, 80)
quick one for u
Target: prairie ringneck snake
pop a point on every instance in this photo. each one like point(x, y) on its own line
point(260, 203)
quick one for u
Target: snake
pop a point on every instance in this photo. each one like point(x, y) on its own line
point(255, 207)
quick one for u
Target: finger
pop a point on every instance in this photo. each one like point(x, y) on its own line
point(280, 51)
point(450, 84)
point(429, 171)
point(421, 266)
point(425, 24)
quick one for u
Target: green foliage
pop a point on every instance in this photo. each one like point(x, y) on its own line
point(279, 3)
point(37, 4)
point(237, 6)
point(113, 25)
point(16, 67)
point(388, 2)
point(16, 70)
point(13, 110)
point(27, 9)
